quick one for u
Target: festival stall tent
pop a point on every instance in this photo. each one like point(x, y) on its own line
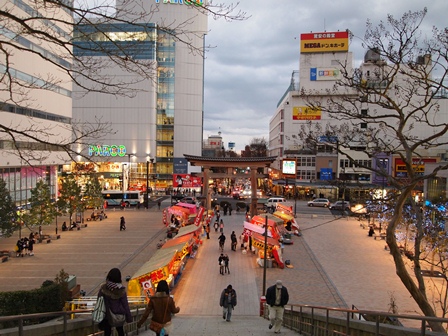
point(272, 249)
point(191, 207)
point(285, 213)
point(275, 224)
point(166, 264)
point(179, 212)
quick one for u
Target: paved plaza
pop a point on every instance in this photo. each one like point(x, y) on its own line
point(334, 264)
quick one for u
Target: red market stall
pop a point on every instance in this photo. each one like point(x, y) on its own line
point(178, 212)
point(167, 264)
point(275, 224)
point(191, 207)
point(272, 249)
point(285, 213)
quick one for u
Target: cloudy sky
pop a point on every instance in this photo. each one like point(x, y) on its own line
point(250, 65)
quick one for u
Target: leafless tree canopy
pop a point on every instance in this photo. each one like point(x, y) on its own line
point(403, 118)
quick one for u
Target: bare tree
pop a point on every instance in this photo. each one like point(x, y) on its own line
point(258, 147)
point(51, 31)
point(398, 102)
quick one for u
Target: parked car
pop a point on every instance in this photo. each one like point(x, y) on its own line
point(340, 205)
point(189, 200)
point(177, 198)
point(319, 202)
point(271, 203)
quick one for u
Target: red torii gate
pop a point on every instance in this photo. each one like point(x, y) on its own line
point(237, 162)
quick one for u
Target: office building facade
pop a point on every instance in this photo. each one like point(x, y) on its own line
point(36, 100)
point(163, 120)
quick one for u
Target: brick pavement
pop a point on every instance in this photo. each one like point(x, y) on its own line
point(335, 264)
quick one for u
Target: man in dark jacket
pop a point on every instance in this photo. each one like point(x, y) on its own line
point(276, 297)
point(227, 302)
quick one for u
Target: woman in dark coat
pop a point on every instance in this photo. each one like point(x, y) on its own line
point(116, 300)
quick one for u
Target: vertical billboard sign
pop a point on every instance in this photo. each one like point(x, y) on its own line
point(289, 167)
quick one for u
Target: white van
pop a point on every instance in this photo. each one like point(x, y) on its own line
point(271, 203)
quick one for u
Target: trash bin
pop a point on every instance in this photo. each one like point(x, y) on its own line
point(262, 305)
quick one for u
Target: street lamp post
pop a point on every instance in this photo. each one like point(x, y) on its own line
point(147, 184)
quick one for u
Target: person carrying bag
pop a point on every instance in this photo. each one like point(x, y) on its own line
point(161, 305)
point(113, 304)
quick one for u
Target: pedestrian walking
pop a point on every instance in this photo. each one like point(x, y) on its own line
point(116, 300)
point(221, 263)
point(234, 240)
point(222, 240)
point(276, 297)
point(31, 246)
point(159, 204)
point(162, 307)
point(207, 230)
point(227, 301)
point(226, 207)
point(216, 226)
point(122, 224)
point(221, 226)
point(230, 210)
point(226, 264)
point(19, 248)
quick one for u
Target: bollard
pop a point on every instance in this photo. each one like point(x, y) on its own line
point(262, 304)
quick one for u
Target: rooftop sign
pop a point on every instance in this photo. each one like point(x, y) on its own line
point(324, 42)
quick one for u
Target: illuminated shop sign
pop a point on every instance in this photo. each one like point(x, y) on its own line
point(181, 2)
point(107, 150)
point(324, 42)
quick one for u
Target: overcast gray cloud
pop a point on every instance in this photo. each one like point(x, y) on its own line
point(249, 66)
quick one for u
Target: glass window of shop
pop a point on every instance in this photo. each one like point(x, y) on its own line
point(21, 180)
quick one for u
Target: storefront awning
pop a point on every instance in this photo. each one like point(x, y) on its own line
point(178, 241)
point(272, 220)
point(160, 259)
point(283, 216)
point(260, 238)
point(185, 230)
point(177, 210)
point(256, 228)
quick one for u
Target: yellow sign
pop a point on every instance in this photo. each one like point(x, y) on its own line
point(259, 245)
point(324, 42)
point(305, 113)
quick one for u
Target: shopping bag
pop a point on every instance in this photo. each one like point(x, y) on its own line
point(99, 311)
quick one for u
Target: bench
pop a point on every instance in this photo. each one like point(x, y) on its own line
point(380, 236)
point(45, 238)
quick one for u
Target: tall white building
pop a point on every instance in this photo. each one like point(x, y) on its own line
point(164, 120)
point(35, 100)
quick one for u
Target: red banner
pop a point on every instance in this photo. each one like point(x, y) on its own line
point(197, 220)
point(186, 181)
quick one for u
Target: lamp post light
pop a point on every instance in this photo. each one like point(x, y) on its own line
point(129, 171)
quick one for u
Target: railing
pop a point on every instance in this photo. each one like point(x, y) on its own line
point(75, 321)
point(305, 319)
point(319, 320)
